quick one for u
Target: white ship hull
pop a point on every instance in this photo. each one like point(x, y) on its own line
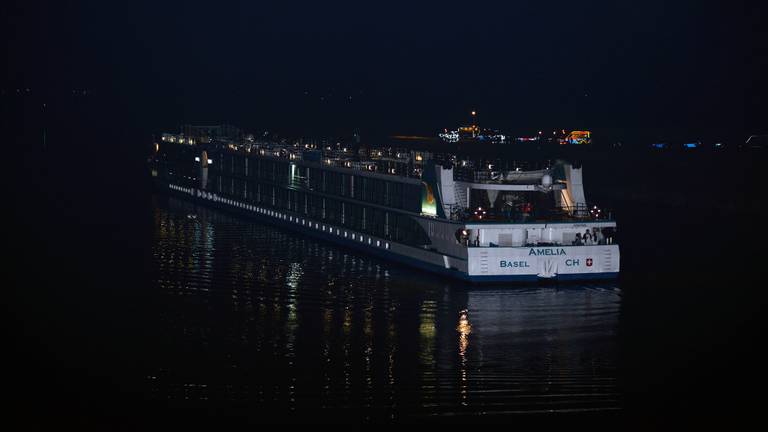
point(475, 264)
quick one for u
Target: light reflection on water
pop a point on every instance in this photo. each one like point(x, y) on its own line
point(252, 316)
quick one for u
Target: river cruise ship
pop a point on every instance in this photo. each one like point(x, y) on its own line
point(471, 219)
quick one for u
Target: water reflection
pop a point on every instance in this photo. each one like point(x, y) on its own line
point(256, 317)
point(464, 330)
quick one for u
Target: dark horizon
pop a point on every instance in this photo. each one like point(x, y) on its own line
point(652, 71)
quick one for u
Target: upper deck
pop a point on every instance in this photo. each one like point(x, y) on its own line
point(400, 162)
point(460, 189)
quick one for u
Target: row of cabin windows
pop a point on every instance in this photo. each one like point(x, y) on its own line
point(173, 166)
point(358, 217)
point(177, 163)
point(377, 191)
point(372, 190)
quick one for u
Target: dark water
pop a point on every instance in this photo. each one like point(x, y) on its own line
point(250, 315)
point(123, 311)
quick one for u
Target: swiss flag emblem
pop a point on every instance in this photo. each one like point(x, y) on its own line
point(589, 262)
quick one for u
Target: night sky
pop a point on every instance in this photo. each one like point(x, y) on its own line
point(654, 68)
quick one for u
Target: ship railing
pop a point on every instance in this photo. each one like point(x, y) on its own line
point(609, 239)
point(328, 158)
point(584, 211)
point(474, 175)
point(456, 212)
point(521, 214)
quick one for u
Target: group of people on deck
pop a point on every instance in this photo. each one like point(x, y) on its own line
point(589, 238)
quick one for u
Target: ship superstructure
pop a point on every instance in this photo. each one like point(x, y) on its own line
point(467, 218)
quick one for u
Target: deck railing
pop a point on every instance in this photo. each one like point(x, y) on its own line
point(520, 215)
point(601, 242)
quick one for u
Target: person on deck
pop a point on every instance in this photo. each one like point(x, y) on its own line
point(597, 236)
